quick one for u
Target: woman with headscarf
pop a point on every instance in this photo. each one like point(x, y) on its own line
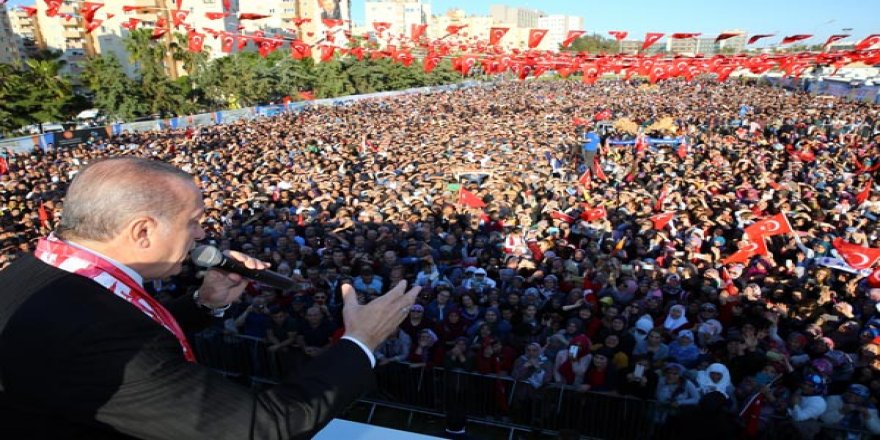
point(675, 320)
point(452, 328)
point(571, 364)
point(536, 370)
point(683, 350)
point(674, 391)
point(716, 378)
point(422, 354)
point(601, 374)
point(807, 405)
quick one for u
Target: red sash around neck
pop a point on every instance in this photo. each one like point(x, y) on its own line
point(64, 256)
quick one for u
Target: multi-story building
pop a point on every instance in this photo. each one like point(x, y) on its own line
point(688, 46)
point(476, 26)
point(557, 29)
point(27, 33)
point(515, 17)
point(66, 36)
point(9, 53)
point(400, 14)
point(735, 44)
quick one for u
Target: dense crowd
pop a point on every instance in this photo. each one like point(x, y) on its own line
point(562, 277)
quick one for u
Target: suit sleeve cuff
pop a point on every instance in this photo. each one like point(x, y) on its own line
point(365, 350)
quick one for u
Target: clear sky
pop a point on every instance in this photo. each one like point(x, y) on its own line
point(819, 17)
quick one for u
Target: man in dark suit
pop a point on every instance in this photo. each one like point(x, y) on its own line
point(85, 352)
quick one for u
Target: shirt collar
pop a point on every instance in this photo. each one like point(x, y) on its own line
point(127, 270)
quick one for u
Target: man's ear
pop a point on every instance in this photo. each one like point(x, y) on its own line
point(142, 231)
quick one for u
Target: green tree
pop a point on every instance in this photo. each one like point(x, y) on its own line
point(192, 62)
point(12, 92)
point(594, 43)
point(332, 80)
point(47, 92)
point(113, 92)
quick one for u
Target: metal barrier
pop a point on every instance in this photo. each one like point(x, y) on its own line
point(493, 400)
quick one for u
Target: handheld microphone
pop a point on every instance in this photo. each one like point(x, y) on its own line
point(211, 257)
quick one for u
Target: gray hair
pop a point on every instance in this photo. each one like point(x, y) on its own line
point(107, 194)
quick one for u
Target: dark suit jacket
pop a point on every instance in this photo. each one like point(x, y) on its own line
point(78, 362)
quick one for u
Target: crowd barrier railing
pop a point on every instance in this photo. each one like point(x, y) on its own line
point(496, 400)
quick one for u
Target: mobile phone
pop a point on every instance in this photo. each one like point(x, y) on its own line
point(639, 371)
point(573, 351)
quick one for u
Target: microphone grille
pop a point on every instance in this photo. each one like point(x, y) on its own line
point(206, 256)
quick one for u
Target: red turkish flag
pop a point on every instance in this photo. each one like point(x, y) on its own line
point(92, 25)
point(469, 199)
point(535, 37)
point(662, 198)
point(158, 33)
point(44, 216)
point(768, 227)
point(858, 257)
point(216, 15)
point(869, 41)
point(572, 35)
point(746, 252)
point(874, 279)
point(792, 38)
point(306, 95)
point(251, 16)
point(584, 180)
point(381, 26)
point(327, 52)
point(559, 215)
point(416, 31)
point(4, 166)
point(724, 72)
point(725, 35)
point(453, 29)
point(332, 22)
point(755, 38)
point(53, 7)
point(131, 24)
point(864, 193)
point(496, 34)
point(179, 17)
point(226, 42)
point(196, 40)
point(88, 9)
point(299, 50)
point(30, 11)
point(661, 220)
point(651, 38)
point(129, 8)
point(593, 214)
point(430, 63)
point(684, 35)
point(357, 52)
point(404, 57)
point(298, 22)
point(618, 35)
point(834, 38)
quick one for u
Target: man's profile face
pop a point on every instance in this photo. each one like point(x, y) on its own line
point(177, 235)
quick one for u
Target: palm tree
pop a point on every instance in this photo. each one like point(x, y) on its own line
point(192, 62)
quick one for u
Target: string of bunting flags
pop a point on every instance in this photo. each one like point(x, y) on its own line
point(471, 55)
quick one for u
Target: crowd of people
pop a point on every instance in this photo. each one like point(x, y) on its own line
point(565, 276)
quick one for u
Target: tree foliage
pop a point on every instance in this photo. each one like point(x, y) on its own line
point(593, 43)
point(34, 93)
point(240, 79)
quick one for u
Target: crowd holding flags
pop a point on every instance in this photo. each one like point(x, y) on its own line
point(468, 51)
